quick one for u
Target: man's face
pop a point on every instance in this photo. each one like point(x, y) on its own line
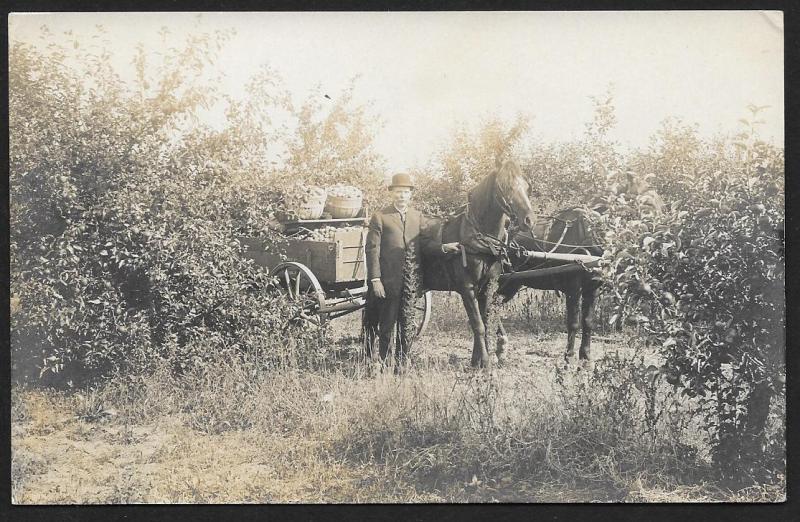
point(401, 196)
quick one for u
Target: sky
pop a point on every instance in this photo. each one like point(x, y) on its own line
point(424, 74)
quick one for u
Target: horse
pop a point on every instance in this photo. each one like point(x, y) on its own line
point(567, 232)
point(480, 229)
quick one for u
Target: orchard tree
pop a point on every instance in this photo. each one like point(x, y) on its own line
point(465, 161)
point(332, 142)
point(124, 209)
point(574, 173)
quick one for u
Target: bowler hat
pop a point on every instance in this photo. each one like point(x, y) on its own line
point(401, 180)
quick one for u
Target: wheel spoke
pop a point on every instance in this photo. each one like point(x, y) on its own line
point(288, 283)
point(301, 287)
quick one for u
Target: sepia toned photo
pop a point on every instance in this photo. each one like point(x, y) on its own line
point(397, 257)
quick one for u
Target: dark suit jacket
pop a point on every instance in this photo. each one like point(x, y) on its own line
point(387, 240)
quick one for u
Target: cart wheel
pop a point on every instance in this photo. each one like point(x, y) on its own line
point(423, 309)
point(300, 285)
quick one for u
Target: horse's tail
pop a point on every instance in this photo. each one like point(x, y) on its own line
point(412, 280)
point(508, 289)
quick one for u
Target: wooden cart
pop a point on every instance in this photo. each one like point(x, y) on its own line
point(327, 277)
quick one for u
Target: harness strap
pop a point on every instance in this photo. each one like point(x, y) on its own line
point(568, 245)
point(481, 242)
point(567, 225)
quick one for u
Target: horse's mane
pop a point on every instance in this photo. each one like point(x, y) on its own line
point(479, 196)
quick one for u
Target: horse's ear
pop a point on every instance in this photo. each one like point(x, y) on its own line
point(501, 170)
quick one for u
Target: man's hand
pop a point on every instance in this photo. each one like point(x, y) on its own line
point(378, 290)
point(450, 248)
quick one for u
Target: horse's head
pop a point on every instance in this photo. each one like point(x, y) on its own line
point(512, 191)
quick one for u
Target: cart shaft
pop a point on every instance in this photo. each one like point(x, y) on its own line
point(546, 256)
point(531, 275)
point(342, 305)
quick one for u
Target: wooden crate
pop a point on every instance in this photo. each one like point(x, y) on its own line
point(337, 261)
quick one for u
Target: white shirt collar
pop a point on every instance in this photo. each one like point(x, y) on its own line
point(402, 212)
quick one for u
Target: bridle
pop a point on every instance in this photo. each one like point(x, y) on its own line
point(502, 200)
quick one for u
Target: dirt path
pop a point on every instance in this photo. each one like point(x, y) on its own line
point(58, 459)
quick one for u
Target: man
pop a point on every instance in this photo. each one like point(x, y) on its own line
point(392, 231)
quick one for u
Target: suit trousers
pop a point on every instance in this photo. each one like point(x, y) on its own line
point(380, 320)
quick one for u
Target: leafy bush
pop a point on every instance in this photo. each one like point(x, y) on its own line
point(125, 209)
point(705, 283)
point(559, 174)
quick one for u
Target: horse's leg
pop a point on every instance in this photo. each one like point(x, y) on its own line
point(488, 304)
point(502, 337)
point(589, 293)
point(480, 357)
point(573, 297)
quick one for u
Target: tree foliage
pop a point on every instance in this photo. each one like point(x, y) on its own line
point(442, 187)
point(333, 143)
point(125, 208)
point(704, 280)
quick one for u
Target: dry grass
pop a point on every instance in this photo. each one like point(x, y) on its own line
point(344, 431)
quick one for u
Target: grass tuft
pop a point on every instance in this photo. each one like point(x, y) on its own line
point(329, 426)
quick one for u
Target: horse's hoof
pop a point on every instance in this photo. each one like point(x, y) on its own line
point(481, 364)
